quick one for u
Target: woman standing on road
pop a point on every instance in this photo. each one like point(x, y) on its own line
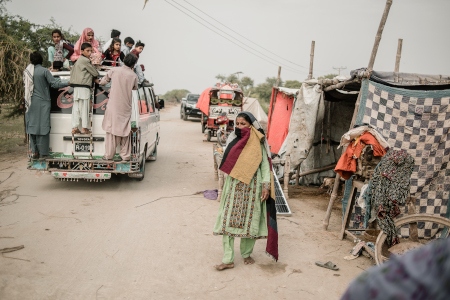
point(247, 209)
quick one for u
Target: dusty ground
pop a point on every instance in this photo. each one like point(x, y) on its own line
point(124, 239)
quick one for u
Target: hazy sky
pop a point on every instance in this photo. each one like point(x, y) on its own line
point(180, 53)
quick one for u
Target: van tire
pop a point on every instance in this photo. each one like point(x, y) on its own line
point(142, 167)
point(154, 155)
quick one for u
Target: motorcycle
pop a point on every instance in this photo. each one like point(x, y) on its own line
point(222, 132)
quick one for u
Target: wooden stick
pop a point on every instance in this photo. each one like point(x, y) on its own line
point(277, 84)
point(287, 170)
point(397, 59)
point(321, 169)
point(12, 249)
point(340, 85)
point(311, 60)
point(378, 36)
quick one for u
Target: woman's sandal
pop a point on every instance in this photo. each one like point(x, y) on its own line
point(222, 266)
point(85, 131)
point(76, 131)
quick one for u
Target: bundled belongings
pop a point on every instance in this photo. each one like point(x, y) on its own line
point(388, 189)
point(355, 140)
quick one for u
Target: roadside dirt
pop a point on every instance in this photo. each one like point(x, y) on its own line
point(124, 239)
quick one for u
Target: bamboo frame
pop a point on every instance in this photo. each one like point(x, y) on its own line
point(398, 57)
point(376, 44)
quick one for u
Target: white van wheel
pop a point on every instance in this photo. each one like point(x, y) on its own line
point(154, 155)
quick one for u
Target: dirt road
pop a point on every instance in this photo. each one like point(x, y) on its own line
point(123, 239)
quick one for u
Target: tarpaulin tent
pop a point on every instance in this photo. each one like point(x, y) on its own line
point(412, 112)
point(281, 103)
point(316, 124)
point(252, 105)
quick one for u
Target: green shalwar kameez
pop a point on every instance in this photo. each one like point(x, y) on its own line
point(241, 212)
point(38, 114)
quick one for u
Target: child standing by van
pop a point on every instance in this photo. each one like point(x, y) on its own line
point(60, 53)
point(81, 77)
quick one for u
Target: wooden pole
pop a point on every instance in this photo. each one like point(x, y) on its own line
point(397, 59)
point(277, 84)
point(311, 60)
point(378, 36)
point(369, 70)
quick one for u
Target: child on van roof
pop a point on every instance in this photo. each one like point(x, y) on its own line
point(114, 34)
point(60, 53)
point(87, 37)
point(112, 56)
point(128, 43)
point(138, 48)
point(81, 78)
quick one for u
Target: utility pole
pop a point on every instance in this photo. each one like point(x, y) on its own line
point(339, 69)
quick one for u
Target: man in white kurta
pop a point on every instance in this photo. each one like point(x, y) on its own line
point(116, 122)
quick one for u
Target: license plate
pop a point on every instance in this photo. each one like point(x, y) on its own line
point(199, 113)
point(83, 147)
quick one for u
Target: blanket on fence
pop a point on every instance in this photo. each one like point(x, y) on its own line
point(418, 122)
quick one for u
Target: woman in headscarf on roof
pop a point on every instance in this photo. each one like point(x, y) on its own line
point(87, 36)
point(247, 206)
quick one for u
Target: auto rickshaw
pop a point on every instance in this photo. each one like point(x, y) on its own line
point(220, 105)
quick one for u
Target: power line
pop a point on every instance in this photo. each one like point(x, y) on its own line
point(271, 62)
point(278, 62)
point(244, 36)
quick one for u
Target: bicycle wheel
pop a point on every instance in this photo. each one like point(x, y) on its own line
point(382, 251)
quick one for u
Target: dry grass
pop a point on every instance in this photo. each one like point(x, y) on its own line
point(12, 137)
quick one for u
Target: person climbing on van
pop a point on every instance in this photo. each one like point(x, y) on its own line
point(115, 34)
point(59, 54)
point(128, 43)
point(81, 77)
point(113, 56)
point(87, 36)
point(138, 48)
point(37, 81)
point(117, 118)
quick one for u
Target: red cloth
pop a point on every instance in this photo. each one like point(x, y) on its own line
point(203, 101)
point(346, 165)
point(279, 117)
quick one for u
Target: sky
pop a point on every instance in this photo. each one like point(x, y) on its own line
point(254, 37)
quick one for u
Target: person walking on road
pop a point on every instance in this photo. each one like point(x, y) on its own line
point(247, 209)
point(37, 81)
point(116, 122)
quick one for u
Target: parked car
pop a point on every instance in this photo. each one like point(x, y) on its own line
point(79, 156)
point(188, 107)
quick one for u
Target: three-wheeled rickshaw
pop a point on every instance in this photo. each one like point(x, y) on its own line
point(220, 105)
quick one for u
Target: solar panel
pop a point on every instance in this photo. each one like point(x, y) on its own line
point(281, 204)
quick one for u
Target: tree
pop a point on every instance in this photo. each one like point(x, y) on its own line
point(328, 76)
point(292, 84)
point(263, 91)
point(221, 77)
point(246, 83)
point(19, 38)
point(174, 95)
